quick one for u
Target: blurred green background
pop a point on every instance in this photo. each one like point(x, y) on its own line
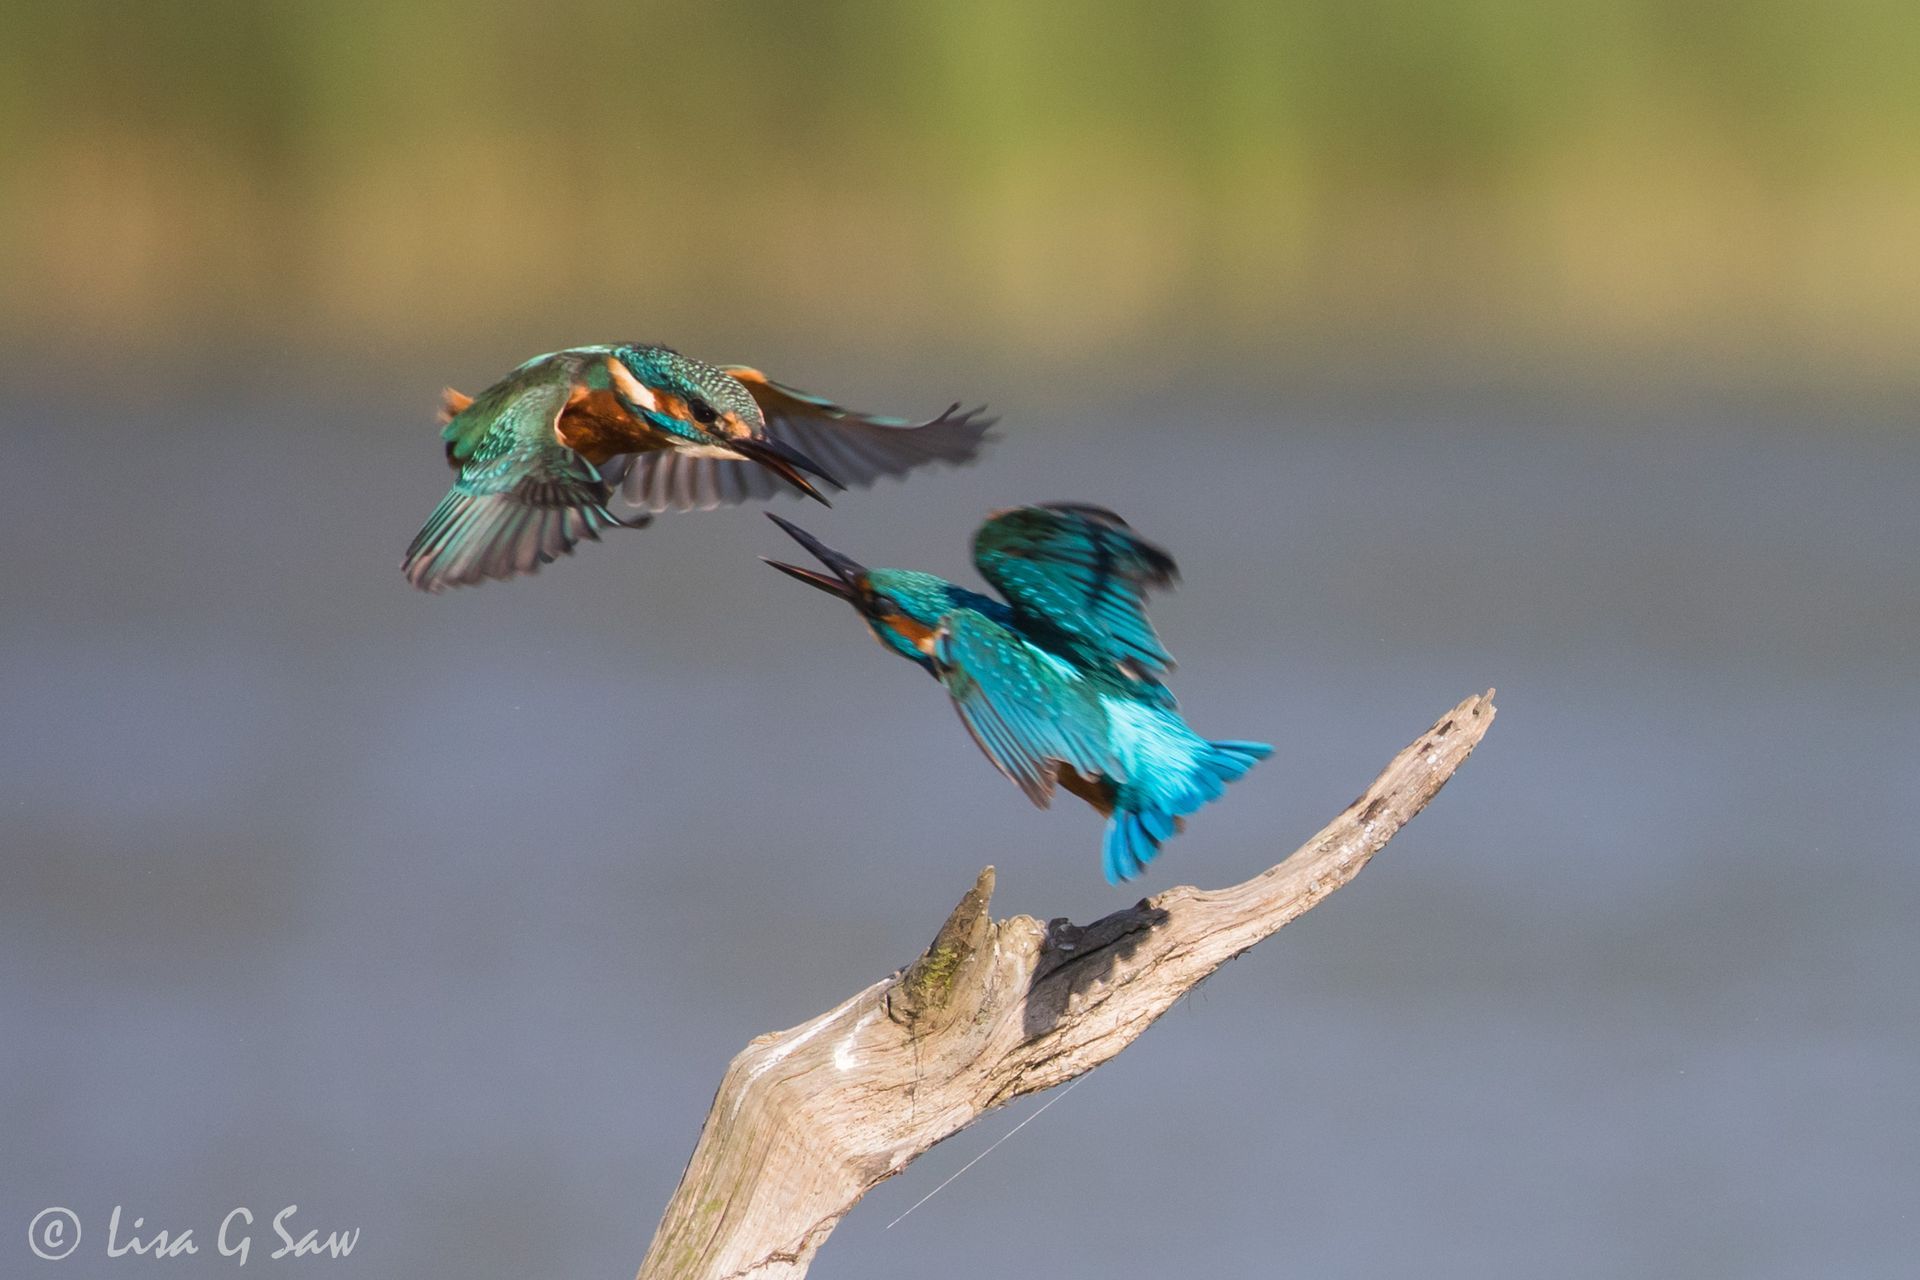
point(1715, 188)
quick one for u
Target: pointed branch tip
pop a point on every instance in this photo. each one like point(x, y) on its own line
point(928, 982)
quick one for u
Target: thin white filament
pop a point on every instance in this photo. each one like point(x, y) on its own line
point(989, 1151)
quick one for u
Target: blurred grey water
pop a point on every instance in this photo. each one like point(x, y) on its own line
point(440, 917)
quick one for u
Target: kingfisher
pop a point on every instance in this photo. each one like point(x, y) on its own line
point(538, 454)
point(1060, 683)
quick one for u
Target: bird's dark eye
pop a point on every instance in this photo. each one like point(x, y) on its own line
point(703, 413)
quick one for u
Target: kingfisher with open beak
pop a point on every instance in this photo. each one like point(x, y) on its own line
point(539, 453)
point(1061, 682)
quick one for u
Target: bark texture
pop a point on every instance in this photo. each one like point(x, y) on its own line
point(807, 1120)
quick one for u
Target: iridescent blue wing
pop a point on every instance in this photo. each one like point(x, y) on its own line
point(856, 448)
point(1082, 571)
point(1028, 711)
point(521, 498)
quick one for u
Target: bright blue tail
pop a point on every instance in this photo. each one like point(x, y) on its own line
point(1135, 832)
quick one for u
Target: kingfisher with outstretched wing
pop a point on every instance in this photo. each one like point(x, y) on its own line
point(538, 455)
point(1060, 684)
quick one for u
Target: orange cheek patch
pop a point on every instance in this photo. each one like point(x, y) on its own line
point(917, 634)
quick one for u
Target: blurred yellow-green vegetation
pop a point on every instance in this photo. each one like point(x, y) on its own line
point(1721, 181)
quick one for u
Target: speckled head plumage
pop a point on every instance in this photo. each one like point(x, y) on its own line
point(696, 386)
point(902, 607)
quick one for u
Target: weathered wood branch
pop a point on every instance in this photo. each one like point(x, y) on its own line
point(807, 1120)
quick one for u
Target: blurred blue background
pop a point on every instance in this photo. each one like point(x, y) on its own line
point(1565, 349)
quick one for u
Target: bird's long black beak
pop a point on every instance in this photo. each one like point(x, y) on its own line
point(846, 571)
point(786, 462)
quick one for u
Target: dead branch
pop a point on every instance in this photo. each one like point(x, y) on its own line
point(807, 1120)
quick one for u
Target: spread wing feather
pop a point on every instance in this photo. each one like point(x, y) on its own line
point(1024, 712)
point(521, 497)
point(856, 448)
point(1079, 570)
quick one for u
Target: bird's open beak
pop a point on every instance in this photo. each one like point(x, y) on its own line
point(846, 571)
point(786, 462)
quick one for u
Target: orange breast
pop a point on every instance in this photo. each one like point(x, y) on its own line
point(1097, 792)
point(597, 426)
